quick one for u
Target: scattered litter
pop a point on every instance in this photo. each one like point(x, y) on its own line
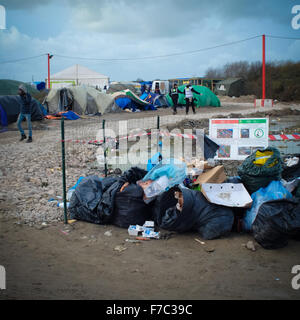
point(142, 238)
point(66, 232)
point(199, 241)
point(135, 230)
point(148, 224)
point(146, 231)
point(108, 233)
point(120, 248)
point(71, 221)
point(150, 233)
point(291, 161)
point(132, 241)
point(250, 245)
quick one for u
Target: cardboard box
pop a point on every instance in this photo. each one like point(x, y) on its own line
point(227, 194)
point(214, 175)
point(148, 224)
point(135, 230)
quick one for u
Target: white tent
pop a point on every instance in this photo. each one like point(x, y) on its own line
point(78, 75)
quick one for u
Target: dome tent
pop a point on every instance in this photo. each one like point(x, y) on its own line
point(82, 100)
point(10, 107)
point(206, 99)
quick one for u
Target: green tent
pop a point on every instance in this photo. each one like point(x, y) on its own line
point(10, 87)
point(206, 99)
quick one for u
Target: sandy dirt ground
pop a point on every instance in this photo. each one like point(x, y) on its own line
point(45, 259)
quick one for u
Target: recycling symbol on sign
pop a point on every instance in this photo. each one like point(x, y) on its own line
point(259, 133)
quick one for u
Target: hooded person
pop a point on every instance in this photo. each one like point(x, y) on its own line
point(25, 113)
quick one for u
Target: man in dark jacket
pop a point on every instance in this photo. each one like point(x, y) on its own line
point(25, 112)
point(174, 96)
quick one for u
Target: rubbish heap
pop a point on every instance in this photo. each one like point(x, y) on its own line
point(196, 195)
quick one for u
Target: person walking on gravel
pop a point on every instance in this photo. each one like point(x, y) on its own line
point(189, 99)
point(25, 112)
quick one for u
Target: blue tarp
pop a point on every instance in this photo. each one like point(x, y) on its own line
point(157, 100)
point(41, 86)
point(3, 117)
point(126, 102)
point(70, 115)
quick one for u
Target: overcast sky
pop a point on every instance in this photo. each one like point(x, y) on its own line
point(113, 29)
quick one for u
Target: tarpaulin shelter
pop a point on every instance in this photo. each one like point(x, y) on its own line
point(81, 99)
point(78, 75)
point(132, 101)
point(158, 100)
point(10, 107)
point(231, 87)
point(206, 98)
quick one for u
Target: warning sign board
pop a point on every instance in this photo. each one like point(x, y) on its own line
point(238, 138)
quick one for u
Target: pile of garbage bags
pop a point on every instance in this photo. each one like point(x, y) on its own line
point(183, 196)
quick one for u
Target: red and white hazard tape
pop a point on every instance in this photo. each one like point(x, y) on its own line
point(272, 137)
point(281, 137)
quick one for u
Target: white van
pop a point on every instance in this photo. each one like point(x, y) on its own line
point(161, 85)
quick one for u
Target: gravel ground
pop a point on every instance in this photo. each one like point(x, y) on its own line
point(45, 259)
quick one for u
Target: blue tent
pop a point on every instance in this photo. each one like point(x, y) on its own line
point(157, 100)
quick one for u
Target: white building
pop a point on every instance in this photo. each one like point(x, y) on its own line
point(78, 75)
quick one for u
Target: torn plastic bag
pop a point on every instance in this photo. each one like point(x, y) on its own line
point(292, 172)
point(130, 208)
point(260, 168)
point(274, 191)
point(172, 169)
point(276, 222)
point(210, 220)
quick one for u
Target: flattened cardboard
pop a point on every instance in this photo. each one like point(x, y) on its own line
point(227, 194)
point(214, 175)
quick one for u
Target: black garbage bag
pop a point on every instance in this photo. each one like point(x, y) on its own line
point(86, 197)
point(276, 222)
point(210, 220)
point(130, 208)
point(254, 176)
point(163, 202)
point(94, 198)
